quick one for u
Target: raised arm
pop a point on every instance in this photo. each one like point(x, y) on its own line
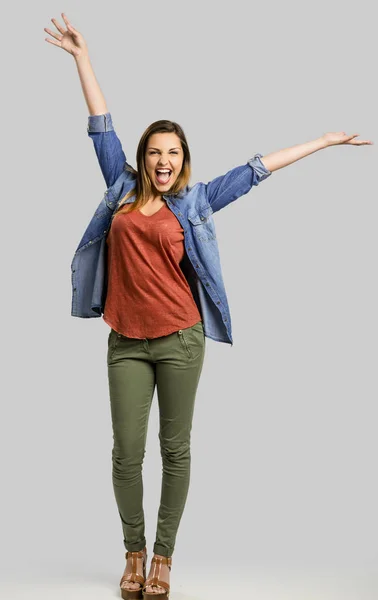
point(285, 157)
point(227, 188)
point(100, 128)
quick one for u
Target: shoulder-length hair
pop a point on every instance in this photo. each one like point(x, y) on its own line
point(143, 184)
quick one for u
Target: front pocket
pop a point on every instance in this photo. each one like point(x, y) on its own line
point(197, 336)
point(113, 340)
point(184, 342)
point(198, 326)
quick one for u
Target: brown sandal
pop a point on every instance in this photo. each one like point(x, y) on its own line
point(155, 580)
point(134, 577)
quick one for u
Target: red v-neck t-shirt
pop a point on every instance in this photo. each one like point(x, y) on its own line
point(148, 295)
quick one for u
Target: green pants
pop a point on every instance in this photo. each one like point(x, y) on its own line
point(173, 363)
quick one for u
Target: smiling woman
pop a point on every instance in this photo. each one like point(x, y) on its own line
point(163, 163)
point(162, 148)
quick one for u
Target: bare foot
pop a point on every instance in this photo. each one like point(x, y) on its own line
point(129, 585)
point(163, 576)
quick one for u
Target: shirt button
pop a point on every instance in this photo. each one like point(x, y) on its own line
point(180, 331)
point(218, 302)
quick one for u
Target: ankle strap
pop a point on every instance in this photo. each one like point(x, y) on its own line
point(137, 554)
point(167, 560)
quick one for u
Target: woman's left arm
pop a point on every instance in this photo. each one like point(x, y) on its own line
point(282, 158)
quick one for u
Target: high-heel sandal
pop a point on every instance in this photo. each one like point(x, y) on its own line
point(134, 577)
point(155, 579)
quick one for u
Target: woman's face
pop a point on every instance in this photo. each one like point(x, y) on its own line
point(163, 151)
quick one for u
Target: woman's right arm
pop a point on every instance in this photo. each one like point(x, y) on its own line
point(107, 145)
point(92, 92)
point(100, 128)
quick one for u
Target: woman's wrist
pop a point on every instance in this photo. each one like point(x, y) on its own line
point(323, 142)
point(83, 57)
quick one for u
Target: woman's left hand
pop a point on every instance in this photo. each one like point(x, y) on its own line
point(340, 137)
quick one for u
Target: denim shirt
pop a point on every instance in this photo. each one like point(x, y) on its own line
point(193, 207)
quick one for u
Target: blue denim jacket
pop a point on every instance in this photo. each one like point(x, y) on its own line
point(194, 207)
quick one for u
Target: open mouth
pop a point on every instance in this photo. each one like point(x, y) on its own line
point(163, 176)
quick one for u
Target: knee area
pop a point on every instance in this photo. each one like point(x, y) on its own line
point(127, 459)
point(175, 452)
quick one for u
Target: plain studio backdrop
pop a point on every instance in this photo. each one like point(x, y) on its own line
point(284, 438)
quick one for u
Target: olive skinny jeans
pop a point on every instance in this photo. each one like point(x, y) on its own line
point(173, 363)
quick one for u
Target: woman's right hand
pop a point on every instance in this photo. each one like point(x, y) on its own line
point(69, 39)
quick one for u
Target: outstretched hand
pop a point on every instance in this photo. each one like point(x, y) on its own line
point(69, 39)
point(340, 137)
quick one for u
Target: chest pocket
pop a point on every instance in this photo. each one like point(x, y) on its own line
point(203, 224)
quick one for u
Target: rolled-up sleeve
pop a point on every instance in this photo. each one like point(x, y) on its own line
point(259, 168)
point(107, 145)
point(100, 123)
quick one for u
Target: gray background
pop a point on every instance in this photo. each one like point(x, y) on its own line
point(283, 491)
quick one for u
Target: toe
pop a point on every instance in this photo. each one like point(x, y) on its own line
point(153, 589)
point(130, 585)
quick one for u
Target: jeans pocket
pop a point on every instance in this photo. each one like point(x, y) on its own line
point(198, 339)
point(184, 341)
point(193, 339)
point(113, 340)
point(198, 327)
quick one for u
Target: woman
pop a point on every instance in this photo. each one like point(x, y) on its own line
point(149, 262)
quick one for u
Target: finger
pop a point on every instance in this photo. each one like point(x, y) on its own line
point(359, 142)
point(57, 36)
point(69, 26)
point(58, 26)
point(53, 42)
